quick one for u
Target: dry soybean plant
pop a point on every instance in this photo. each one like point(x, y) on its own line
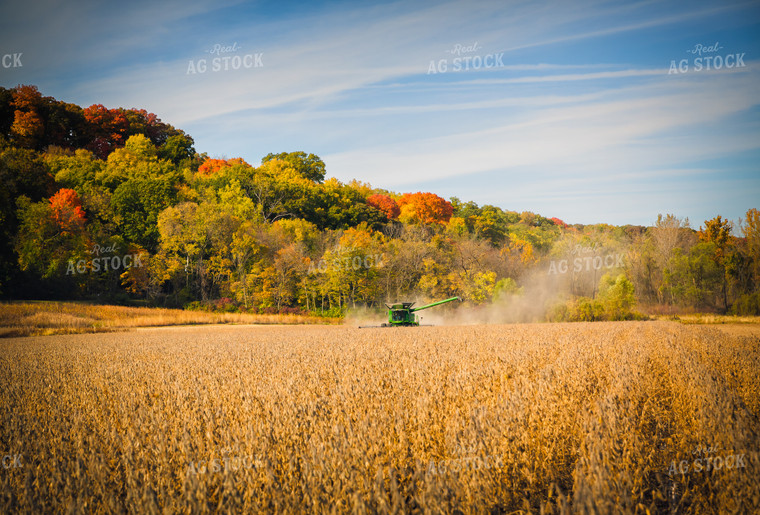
point(552, 418)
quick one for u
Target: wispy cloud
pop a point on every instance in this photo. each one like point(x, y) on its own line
point(581, 104)
point(619, 128)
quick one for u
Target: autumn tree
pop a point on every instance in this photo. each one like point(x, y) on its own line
point(747, 261)
point(28, 126)
point(751, 231)
point(352, 265)
point(644, 272)
point(424, 208)
point(404, 263)
point(280, 280)
point(718, 232)
point(385, 204)
point(278, 191)
point(52, 233)
point(616, 296)
point(330, 205)
point(468, 275)
point(108, 129)
point(213, 166)
point(183, 252)
point(467, 211)
point(558, 222)
point(67, 210)
point(209, 247)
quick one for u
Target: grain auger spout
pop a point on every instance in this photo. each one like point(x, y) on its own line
point(403, 314)
point(432, 304)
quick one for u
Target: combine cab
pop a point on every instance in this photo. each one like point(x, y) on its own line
point(403, 314)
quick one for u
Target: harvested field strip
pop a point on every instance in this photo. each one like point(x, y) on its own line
point(47, 318)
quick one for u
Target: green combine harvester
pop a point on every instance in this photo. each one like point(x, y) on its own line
point(403, 314)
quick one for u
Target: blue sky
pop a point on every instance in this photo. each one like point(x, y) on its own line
point(577, 117)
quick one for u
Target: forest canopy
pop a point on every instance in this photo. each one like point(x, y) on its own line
point(116, 205)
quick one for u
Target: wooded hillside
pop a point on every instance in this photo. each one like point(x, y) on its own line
point(116, 205)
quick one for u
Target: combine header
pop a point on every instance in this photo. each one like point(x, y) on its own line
point(403, 314)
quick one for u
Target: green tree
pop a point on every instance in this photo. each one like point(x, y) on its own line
point(136, 205)
point(490, 226)
point(616, 296)
point(309, 166)
point(138, 159)
point(76, 170)
point(22, 173)
point(177, 149)
point(694, 278)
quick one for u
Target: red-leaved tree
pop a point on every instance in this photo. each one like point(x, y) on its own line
point(559, 222)
point(385, 204)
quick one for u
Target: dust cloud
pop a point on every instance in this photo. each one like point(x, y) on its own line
point(538, 294)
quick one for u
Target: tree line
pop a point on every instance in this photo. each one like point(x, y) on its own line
point(116, 205)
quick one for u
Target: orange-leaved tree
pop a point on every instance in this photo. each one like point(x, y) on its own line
point(212, 166)
point(28, 127)
point(67, 211)
point(426, 208)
